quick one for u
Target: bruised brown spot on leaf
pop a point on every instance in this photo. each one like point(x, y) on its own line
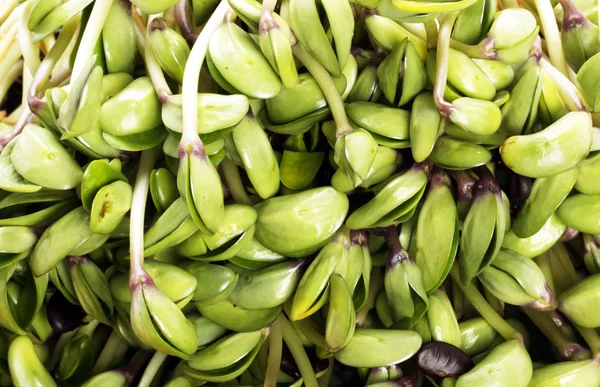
point(106, 206)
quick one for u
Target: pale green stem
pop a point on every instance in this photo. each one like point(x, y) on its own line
point(552, 35)
point(234, 182)
point(140, 34)
point(48, 42)
point(591, 338)
point(11, 76)
point(334, 100)
point(308, 330)
point(112, 349)
point(152, 369)
point(26, 81)
point(155, 72)
point(90, 36)
point(191, 74)
point(269, 5)
point(441, 63)
point(473, 51)
point(13, 55)
point(298, 353)
point(275, 351)
point(6, 9)
point(9, 24)
point(374, 287)
point(138, 209)
point(30, 50)
point(569, 275)
point(431, 29)
point(326, 377)
point(553, 333)
point(7, 40)
point(45, 68)
point(485, 310)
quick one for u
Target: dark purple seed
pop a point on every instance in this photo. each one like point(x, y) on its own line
point(62, 315)
point(442, 360)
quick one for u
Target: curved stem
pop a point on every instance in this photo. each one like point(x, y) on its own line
point(91, 35)
point(552, 35)
point(441, 63)
point(275, 351)
point(138, 209)
point(191, 74)
point(11, 77)
point(485, 310)
point(42, 75)
point(334, 100)
point(7, 39)
point(591, 338)
point(152, 369)
point(24, 119)
point(298, 353)
point(13, 55)
point(431, 29)
point(183, 17)
point(112, 349)
point(155, 71)
point(234, 182)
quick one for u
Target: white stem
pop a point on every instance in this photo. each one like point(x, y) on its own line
point(30, 50)
point(552, 35)
point(48, 43)
point(191, 74)
point(11, 76)
point(9, 23)
point(153, 68)
point(6, 9)
point(12, 56)
point(138, 209)
point(7, 41)
point(91, 35)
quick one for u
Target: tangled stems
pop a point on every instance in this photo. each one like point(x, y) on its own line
point(441, 63)
point(138, 208)
point(328, 88)
point(298, 353)
point(191, 75)
point(91, 35)
point(42, 75)
point(485, 310)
